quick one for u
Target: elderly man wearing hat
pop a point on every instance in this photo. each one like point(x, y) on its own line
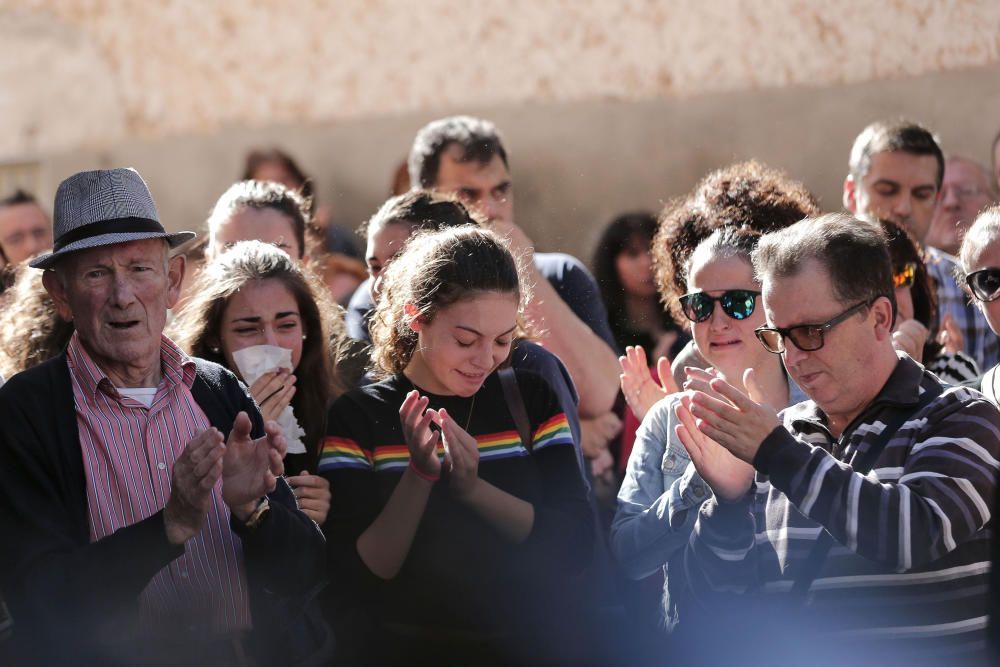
point(142, 513)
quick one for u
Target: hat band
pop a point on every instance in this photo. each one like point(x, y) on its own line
point(129, 225)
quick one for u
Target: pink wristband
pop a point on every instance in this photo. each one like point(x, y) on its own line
point(422, 475)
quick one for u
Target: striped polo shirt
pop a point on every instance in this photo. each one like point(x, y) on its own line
point(128, 458)
point(909, 569)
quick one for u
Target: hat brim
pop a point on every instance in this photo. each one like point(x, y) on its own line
point(49, 260)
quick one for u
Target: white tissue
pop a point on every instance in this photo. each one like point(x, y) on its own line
point(259, 359)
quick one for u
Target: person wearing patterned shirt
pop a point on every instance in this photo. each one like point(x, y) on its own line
point(142, 511)
point(896, 171)
point(890, 469)
point(455, 525)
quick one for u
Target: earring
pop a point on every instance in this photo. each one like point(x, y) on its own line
point(214, 350)
point(304, 336)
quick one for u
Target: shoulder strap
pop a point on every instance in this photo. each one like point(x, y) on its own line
point(863, 464)
point(515, 403)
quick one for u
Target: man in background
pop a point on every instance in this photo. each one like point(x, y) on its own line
point(25, 229)
point(966, 190)
point(896, 170)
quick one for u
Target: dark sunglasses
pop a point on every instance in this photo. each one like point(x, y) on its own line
point(905, 276)
point(806, 337)
point(985, 284)
point(737, 303)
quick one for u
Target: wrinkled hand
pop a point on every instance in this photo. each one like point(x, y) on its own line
point(640, 389)
point(730, 417)
point(421, 440)
point(597, 433)
point(729, 477)
point(196, 472)
point(909, 337)
point(273, 392)
point(250, 468)
point(461, 456)
point(950, 336)
point(313, 495)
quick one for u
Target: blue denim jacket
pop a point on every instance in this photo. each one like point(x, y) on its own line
point(659, 499)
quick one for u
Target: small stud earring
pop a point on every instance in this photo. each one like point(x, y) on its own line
point(304, 336)
point(214, 350)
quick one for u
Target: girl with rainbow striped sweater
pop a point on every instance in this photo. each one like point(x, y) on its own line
point(452, 539)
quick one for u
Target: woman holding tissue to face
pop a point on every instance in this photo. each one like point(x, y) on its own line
point(450, 535)
point(253, 310)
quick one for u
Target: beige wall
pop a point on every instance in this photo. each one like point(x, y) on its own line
point(606, 106)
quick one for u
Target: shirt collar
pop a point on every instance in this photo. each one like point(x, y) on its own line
point(176, 367)
point(901, 389)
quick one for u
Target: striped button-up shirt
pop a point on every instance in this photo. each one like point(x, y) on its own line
point(910, 566)
point(128, 458)
point(980, 342)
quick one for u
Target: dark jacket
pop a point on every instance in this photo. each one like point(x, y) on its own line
point(77, 601)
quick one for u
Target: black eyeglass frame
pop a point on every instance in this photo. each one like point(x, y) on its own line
point(785, 333)
point(713, 299)
point(971, 278)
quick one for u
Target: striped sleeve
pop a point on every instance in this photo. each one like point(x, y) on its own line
point(553, 431)
point(931, 489)
point(338, 452)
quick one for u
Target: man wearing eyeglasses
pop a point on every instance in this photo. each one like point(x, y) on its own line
point(896, 172)
point(863, 510)
point(966, 190)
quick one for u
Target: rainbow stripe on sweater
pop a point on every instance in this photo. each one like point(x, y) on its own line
point(336, 453)
point(554, 431)
point(391, 457)
point(503, 445)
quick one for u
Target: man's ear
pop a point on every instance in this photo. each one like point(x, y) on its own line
point(850, 194)
point(56, 290)
point(882, 312)
point(176, 266)
point(413, 317)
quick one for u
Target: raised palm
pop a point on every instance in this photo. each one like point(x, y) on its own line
point(250, 467)
point(729, 477)
point(640, 389)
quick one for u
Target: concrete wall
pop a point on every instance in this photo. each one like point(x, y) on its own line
point(606, 106)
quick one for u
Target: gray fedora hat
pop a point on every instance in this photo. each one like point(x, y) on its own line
point(99, 208)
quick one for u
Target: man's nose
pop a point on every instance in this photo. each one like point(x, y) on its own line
point(123, 291)
point(949, 198)
point(902, 206)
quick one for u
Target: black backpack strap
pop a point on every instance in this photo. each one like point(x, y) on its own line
point(812, 566)
point(515, 403)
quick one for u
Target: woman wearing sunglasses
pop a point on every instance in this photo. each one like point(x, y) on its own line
point(658, 501)
point(938, 346)
point(980, 259)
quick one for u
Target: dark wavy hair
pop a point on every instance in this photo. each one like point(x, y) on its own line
point(198, 327)
point(746, 194)
point(435, 270)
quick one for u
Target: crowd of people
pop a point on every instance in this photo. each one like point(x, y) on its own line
point(753, 430)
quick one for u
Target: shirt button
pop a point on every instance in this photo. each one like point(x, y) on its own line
point(161, 465)
point(699, 490)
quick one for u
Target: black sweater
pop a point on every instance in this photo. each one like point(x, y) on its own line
point(65, 591)
point(460, 573)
